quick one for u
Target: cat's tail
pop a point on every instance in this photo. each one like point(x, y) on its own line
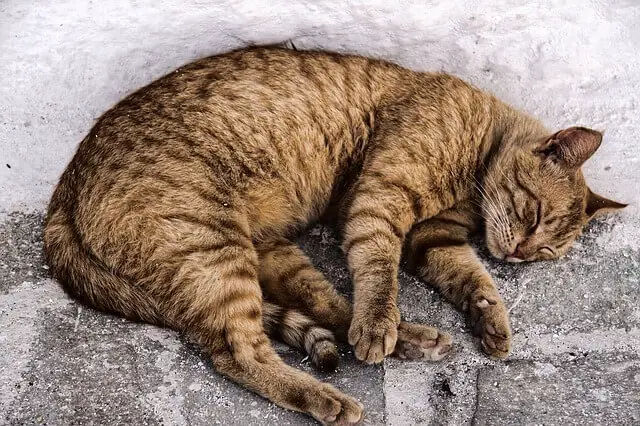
point(301, 332)
point(86, 278)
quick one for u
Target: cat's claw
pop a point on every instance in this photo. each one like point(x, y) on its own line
point(418, 341)
point(491, 324)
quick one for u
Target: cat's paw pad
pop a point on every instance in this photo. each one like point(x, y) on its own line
point(418, 341)
point(491, 324)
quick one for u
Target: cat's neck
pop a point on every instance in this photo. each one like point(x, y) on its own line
point(510, 130)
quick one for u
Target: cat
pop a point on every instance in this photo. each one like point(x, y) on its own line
point(180, 207)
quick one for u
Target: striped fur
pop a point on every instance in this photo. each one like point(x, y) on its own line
point(180, 205)
point(301, 332)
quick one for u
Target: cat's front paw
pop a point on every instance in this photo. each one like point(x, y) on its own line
point(373, 337)
point(491, 323)
point(419, 341)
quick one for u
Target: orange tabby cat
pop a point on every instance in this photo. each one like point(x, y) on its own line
point(179, 207)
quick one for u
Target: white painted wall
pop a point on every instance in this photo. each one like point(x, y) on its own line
point(63, 62)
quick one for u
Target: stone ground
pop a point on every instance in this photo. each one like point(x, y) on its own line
point(576, 352)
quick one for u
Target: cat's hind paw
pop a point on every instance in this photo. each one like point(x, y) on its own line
point(421, 342)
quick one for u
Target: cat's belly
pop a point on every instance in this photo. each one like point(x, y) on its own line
point(279, 207)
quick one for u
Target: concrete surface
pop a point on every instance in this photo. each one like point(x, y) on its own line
point(576, 357)
point(576, 321)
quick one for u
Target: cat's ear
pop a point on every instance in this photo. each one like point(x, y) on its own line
point(571, 147)
point(597, 205)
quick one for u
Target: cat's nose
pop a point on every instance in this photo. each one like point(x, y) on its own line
point(517, 252)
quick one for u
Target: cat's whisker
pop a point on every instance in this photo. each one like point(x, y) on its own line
point(485, 196)
point(494, 187)
point(503, 217)
point(493, 206)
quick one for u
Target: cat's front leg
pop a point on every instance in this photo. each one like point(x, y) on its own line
point(377, 220)
point(490, 319)
point(440, 254)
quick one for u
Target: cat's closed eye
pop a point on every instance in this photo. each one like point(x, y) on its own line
point(546, 250)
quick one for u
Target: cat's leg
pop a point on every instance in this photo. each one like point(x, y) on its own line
point(440, 255)
point(214, 295)
point(380, 213)
point(303, 333)
point(289, 278)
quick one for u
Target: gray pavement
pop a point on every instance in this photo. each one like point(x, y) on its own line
point(576, 354)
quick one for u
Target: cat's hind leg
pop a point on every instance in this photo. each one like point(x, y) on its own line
point(289, 278)
point(214, 296)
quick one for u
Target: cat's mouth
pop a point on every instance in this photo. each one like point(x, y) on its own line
point(500, 252)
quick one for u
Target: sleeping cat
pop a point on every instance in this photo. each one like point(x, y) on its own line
point(180, 206)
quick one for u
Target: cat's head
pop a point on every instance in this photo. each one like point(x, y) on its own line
point(536, 202)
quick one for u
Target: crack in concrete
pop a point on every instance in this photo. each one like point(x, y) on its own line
point(477, 397)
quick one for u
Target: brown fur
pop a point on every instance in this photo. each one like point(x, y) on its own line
point(180, 204)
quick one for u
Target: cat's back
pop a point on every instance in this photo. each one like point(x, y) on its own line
point(264, 127)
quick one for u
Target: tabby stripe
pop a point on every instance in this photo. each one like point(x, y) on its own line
point(293, 272)
point(560, 239)
point(168, 180)
point(231, 255)
point(306, 328)
point(239, 160)
point(445, 221)
point(323, 339)
point(510, 192)
point(236, 296)
point(211, 248)
point(278, 321)
point(379, 265)
point(550, 220)
point(525, 188)
point(369, 212)
point(367, 237)
point(231, 225)
point(515, 210)
point(179, 155)
point(242, 271)
point(189, 218)
point(212, 162)
point(420, 251)
point(368, 76)
point(308, 71)
point(209, 196)
point(416, 199)
point(147, 160)
point(380, 300)
point(227, 228)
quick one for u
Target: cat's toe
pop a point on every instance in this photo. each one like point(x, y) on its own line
point(491, 348)
point(492, 326)
point(418, 341)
